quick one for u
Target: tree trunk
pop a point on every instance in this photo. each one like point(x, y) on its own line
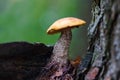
point(104, 43)
point(102, 62)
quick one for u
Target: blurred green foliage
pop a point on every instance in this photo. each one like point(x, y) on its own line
point(28, 20)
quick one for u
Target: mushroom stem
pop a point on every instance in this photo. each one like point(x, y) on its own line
point(61, 48)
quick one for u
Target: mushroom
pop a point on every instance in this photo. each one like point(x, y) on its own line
point(64, 25)
point(58, 67)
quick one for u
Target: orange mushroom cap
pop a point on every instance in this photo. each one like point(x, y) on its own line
point(64, 23)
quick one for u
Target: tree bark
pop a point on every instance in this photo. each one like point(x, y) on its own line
point(102, 61)
point(104, 43)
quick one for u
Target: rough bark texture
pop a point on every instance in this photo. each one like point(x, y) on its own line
point(104, 43)
point(102, 62)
